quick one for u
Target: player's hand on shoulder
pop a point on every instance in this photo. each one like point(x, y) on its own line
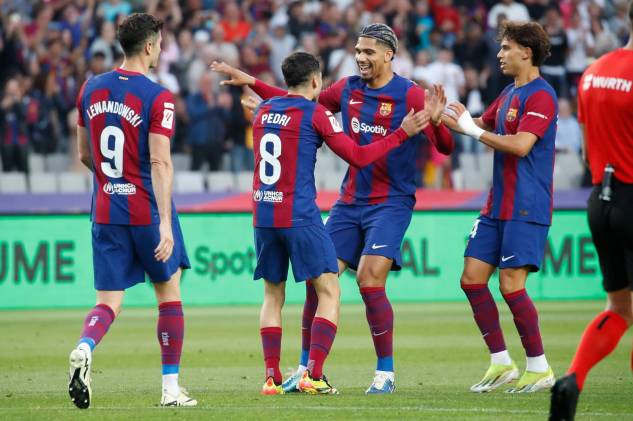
point(435, 102)
point(236, 76)
point(413, 123)
point(165, 247)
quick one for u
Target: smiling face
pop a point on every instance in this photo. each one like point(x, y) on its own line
point(513, 57)
point(372, 57)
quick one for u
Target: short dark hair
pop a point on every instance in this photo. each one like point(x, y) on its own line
point(136, 30)
point(528, 34)
point(298, 67)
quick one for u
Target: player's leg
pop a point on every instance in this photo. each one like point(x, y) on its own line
point(114, 271)
point(170, 326)
point(384, 226)
point(481, 257)
point(272, 266)
point(270, 331)
point(522, 250)
point(612, 233)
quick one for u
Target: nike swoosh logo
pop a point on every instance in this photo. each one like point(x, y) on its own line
point(375, 247)
point(352, 102)
point(505, 259)
point(381, 333)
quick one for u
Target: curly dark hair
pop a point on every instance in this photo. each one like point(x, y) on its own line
point(136, 30)
point(530, 35)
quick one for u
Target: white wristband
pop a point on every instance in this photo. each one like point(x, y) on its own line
point(468, 126)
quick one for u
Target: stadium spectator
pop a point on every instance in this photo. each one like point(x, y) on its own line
point(581, 44)
point(553, 70)
point(568, 135)
point(236, 29)
point(512, 10)
point(605, 40)
point(13, 128)
point(206, 115)
point(223, 50)
point(423, 25)
point(107, 44)
point(110, 10)
point(445, 72)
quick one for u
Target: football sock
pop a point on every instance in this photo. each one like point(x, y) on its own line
point(537, 364)
point(271, 343)
point(309, 310)
point(323, 334)
point(598, 340)
point(170, 331)
point(526, 322)
point(96, 325)
point(487, 318)
point(380, 318)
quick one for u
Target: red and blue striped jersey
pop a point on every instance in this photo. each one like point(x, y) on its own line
point(368, 116)
point(287, 131)
point(120, 109)
point(522, 188)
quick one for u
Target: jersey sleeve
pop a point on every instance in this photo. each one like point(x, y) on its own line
point(538, 113)
point(267, 91)
point(80, 113)
point(326, 125)
point(162, 115)
point(439, 136)
point(330, 97)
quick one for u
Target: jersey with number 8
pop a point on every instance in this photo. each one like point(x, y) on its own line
point(120, 109)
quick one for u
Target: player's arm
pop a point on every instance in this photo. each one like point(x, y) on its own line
point(437, 133)
point(539, 112)
point(83, 147)
point(359, 156)
point(162, 170)
point(329, 97)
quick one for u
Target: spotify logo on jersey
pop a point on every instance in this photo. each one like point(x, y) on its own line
point(355, 125)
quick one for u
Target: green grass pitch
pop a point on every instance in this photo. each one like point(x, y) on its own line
point(438, 355)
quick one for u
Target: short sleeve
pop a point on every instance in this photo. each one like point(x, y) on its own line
point(415, 98)
point(538, 113)
point(162, 115)
point(80, 113)
point(324, 122)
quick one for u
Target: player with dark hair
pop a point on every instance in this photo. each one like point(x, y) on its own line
point(605, 108)
point(368, 223)
point(511, 231)
point(287, 131)
point(123, 132)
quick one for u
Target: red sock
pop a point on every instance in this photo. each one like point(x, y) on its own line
point(380, 318)
point(486, 315)
point(526, 322)
point(170, 331)
point(598, 340)
point(96, 324)
point(323, 334)
point(271, 342)
point(309, 310)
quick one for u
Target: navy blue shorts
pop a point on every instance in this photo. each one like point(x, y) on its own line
point(308, 248)
point(369, 229)
point(123, 254)
point(507, 244)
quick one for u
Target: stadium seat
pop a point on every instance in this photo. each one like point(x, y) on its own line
point(568, 171)
point(182, 162)
point(244, 181)
point(13, 182)
point(36, 163)
point(57, 162)
point(72, 182)
point(221, 181)
point(40, 182)
point(189, 182)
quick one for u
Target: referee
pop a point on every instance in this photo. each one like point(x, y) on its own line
point(605, 107)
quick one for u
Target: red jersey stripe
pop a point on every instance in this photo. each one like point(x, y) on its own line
point(348, 192)
point(380, 173)
point(510, 167)
point(291, 135)
point(102, 203)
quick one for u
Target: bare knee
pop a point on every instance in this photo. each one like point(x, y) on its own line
point(512, 280)
point(476, 272)
point(620, 303)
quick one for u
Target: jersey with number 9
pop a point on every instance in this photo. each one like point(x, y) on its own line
point(120, 109)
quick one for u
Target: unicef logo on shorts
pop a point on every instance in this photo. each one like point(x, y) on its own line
point(355, 125)
point(257, 195)
point(108, 188)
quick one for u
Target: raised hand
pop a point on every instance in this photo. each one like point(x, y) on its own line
point(251, 103)
point(236, 76)
point(462, 120)
point(435, 102)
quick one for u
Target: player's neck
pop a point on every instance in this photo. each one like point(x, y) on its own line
point(307, 94)
point(135, 64)
point(526, 76)
point(381, 80)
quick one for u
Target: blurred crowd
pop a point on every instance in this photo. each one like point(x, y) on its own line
point(49, 48)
